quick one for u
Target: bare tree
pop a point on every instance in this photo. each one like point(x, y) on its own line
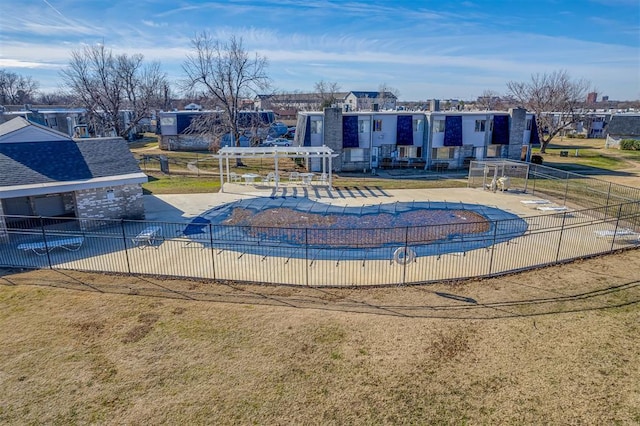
point(54, 98)
point(326, 92)
point(387, 96)
point(16, 89)
point(489, 100)
point(107, 85)
point(225, 73)
point(556, 99)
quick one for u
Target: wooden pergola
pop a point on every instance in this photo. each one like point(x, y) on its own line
point(307, 152)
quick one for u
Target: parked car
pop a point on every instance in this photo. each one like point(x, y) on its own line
point(291, 133)
point(227, 140)
point(280, 142)
point(277, 129)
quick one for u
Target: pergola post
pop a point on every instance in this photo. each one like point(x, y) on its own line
point(277, 176)
point(222, 174)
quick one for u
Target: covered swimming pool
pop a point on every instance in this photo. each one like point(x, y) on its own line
point(400, 231)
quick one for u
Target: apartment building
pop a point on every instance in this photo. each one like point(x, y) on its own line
point(416, 139)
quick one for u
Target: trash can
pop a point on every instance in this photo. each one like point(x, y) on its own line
point(164, 164)
point(564, 153)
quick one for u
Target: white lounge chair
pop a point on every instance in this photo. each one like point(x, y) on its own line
point(41, 248)
point(535, 203)
point(233, 177)
point(624, 234)
point(148, 237)
point(555, 209)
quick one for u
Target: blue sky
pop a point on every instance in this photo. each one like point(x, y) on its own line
point(425, 49)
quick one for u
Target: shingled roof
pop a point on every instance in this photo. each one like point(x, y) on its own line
point(624, 125)
point(60, 159)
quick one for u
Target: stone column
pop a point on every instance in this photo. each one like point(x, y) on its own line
point(517, 126)
point(4, 235)
point(332, 136)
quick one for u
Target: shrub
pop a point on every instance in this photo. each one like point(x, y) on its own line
point(630, 144)
point(536, 159)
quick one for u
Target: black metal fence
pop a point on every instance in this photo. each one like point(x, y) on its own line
point(563, 187)
point(259, 254)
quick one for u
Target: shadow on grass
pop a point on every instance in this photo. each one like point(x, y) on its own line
point(587, 170)
point(431, 303)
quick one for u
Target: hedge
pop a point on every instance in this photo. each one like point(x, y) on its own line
point(630, 144)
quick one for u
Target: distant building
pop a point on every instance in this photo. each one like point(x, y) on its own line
point(175, 134)
point(369, 101)
point(348, 101)
point(59, 118)
point(622, 126)
point(592, 98)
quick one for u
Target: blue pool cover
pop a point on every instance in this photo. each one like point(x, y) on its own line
point(368, 232)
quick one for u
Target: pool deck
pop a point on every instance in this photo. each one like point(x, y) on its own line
point(183, 207)
point(567, 236)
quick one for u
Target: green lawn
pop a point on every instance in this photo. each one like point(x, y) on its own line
point(197, 172)
point(587, 153)
point(180, 184)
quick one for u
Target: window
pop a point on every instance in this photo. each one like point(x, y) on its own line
point(418, 125)
point(363, 126)
point(480, 125)
point(52, 122)
point(497, 151)
point(316, 127)
point(355, 154)
point(528, 124)
point(377, 125)
point(446, 153)
point(168, 121)
point(409, 151)
point(438, 126)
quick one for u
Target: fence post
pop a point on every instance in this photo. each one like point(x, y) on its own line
point(615, 230)
point(608, 197)
point(44, 239)
point(566, 187)
point(493, 246)
point(306, 255)
point(564, 216)
point(533, 192)
point(213, 261)
point(406, 253)
point(124, 242)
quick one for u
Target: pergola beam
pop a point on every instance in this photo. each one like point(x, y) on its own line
point(307, 152)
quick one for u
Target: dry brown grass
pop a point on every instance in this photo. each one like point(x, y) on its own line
point(554, 346)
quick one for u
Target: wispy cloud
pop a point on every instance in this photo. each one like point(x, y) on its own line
point(459, 44)
point(154, 24)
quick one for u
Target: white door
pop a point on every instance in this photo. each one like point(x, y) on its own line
point(375, 157)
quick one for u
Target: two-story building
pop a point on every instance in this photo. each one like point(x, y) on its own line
point(175, 134)
point(416, 139)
